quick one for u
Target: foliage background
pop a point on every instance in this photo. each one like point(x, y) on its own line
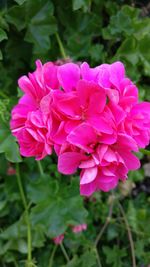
point(95, 31)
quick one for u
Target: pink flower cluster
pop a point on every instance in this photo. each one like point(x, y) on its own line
point(79, 228)
point(58, 239)
point(90, 117)
point(75, 229)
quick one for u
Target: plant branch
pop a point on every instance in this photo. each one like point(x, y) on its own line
point(104, 226)
point(98, 257)
point(64, 252)
point(129, 235)
point(62, 50)
point(52, 256)
point(26, 213)
point(40, 167)
point(145, 151)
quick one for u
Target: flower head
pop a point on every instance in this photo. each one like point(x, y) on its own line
point(92, 117)
point(79, 228)
point(58, 239)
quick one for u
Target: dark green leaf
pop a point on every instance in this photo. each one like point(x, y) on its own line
point(9, 146)
point(3, 35)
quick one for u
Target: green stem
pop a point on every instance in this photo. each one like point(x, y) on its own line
point(64, 252)
point(3, 95)
point(62, 50)
point(15, 263)
point(40, 167)
point(129, 234)
point(26, 213)
point(98, 258)
point(52, 256)
point(104, 226)
point(145, 152)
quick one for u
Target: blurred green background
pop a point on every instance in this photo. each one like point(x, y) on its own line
point(95, 31)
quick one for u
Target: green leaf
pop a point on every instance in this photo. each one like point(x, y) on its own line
point(20, 2)
point(144, 50)
point(54, 216)
point(90, 257)
point(41, 25)
point(114, 255)
point(3, 35)
point(42, 184)
point(75, 262)
point(141, 28)
point(9, 146)
point(77, 4)
point(132, 216)
point(16, 15)
point(14, 237)
point(121, 23)
point(128, 50)
point(97, 53)
point(1, 55)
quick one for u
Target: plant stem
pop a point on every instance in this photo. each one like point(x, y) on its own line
point(98, 258)
point(62, 50)
point(129, 235)
point(64, 252)
point(52, 256)
point(104, 226)
point(15, 263)
point(145, 151)
point(26, 213)
point(3, 95)
point(40, 167)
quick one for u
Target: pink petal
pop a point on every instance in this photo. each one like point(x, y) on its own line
point(106, 183)
point(70, 106)
point(97, 101)
point(101, 151)
point(68, 76)
point(83, 137)
point(126, 142)
point(117, 73)
point(60, 136)
point(50, 75)
point(45, 104)
point(104, 76)
point(87, 163)
point(100, 123)
point(117, 112)
point(113, 95)
point(131, 161)
point(68, 162)
point(108, 139)
point(91, 95)
point(89, 74)
point(88, 189)
point(110, 155)
point(88, 175)
point(26, 86)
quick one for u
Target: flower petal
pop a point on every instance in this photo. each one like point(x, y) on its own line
point(68, 76)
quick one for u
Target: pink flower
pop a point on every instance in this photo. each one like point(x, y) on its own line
point(103, 167)
point(137, 123)
point(58, 239)
point(28, 123)
point(79, 228)
point(41, 81)
point(11, 171)
point(85, 105)
point(34, 137)
point(91, 116)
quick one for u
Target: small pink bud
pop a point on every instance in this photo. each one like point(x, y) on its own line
point(58, 239)
point(11, 171)
point(79, 228)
